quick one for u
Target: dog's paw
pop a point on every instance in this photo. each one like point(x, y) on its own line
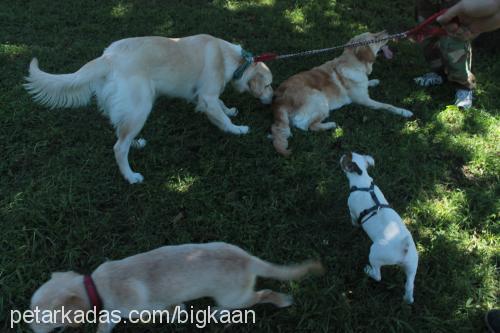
point(287, 300)
point(139, 143)
point(405, 113)
point(232, 112)
point(330, 125)
point(239, 130)
point(135, 178)
point(408, 299)
point(373, 83)
point(372, 273)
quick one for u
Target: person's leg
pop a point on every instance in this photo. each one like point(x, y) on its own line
point(457, 58)
point(430, 46)
point(447, 56)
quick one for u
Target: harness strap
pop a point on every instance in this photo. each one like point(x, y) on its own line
point(372, 211)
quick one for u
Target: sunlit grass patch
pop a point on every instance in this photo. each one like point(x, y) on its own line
point(451, 118)
point(297, 18)
point(442, 207)
point(180, 184)
point(239, 5)
point(12, 50)
point(121, 10)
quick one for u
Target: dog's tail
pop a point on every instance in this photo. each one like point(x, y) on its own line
point(281, 130)
point(285, 273)
point(65, 90)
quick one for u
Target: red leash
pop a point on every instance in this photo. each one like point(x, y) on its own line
point(418, 33)
point(424, 30)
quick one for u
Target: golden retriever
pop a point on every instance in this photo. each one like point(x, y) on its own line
point(132, 72)
point(306, 99)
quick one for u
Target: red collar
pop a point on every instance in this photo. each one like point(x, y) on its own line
point(93, 295)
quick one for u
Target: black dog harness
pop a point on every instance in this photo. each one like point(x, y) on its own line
point(372, 211)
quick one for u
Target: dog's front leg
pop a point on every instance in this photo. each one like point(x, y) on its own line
point(372, 104)
point(212, 107)
point(105, 327)
point(231, 112)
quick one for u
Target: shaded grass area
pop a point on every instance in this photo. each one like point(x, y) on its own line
point(64, 205)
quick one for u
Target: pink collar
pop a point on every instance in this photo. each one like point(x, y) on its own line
point(92, 293)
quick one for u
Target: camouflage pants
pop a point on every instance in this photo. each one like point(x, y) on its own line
point(448, 55)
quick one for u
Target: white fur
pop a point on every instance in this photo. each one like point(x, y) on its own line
point(132, 72)
point(392, 242)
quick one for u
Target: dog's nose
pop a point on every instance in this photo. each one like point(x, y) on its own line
point(266, 100)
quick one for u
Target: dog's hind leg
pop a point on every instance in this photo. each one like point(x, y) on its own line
point(410, 271)
point(319, 126)
point(373, 269)
point(410, 267)
point(249, 298)
point(321, 111)
point(138, 143)
point(129, 116)
point(126, 132)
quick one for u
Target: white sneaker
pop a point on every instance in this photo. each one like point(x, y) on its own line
point(464, 98)
point(429, 79)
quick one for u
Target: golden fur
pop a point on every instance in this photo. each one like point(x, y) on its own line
point(305, 99)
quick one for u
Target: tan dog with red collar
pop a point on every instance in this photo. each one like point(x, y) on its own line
point(164, 278)
point(392, 242)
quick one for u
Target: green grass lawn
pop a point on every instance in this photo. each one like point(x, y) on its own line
point(65, 206)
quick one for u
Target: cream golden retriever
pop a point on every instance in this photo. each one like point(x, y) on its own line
point(132, 72)
point(306, 99)
point(164, 278)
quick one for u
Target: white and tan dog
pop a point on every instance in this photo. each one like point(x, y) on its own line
point(132, 72)
point(164, 278)
point(392, 242)
point(306, 99)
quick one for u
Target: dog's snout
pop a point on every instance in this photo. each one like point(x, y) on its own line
point(266, 98)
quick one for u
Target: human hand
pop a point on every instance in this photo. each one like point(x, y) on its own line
point(474, 17)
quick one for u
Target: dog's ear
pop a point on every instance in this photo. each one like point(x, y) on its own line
point(365, 54)
point(349, 166)
point(353, 167)
point(73, 302)
point(369, 160)
point(255, 84)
